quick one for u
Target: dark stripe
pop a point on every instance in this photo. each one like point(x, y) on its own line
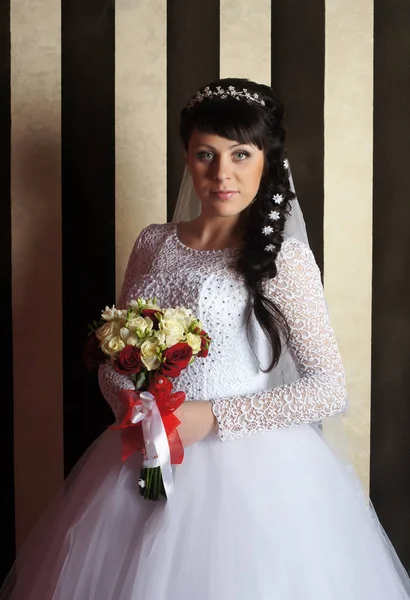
point(7, 428)
point(390, 402)
point(193, 60)
point(298, 76)
point(88, 206)
point(6, 437)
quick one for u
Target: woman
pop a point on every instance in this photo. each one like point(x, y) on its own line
point(262, 507)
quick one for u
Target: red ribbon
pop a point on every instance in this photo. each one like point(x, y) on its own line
point(131, 433)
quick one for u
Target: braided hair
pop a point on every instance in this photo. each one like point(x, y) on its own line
point(257, 121)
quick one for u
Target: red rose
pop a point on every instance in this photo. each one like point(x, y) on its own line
point(92, 354)
point(129, 361)
point(176, 359)
point(151, 312)
point(205, 342)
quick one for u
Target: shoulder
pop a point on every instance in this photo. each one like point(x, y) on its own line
point(295, 256)
point(153, 235)
point(297, 271)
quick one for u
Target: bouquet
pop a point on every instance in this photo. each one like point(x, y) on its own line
point(151, 345)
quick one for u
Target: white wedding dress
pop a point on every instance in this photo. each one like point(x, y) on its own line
point(264, 510)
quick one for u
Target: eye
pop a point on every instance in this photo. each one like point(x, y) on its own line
point(241, 155)
point(205, 155)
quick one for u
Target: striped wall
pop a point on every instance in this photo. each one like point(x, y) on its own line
point(89, 154)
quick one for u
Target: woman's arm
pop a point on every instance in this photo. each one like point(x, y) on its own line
point(111, 382)
point(320, 392)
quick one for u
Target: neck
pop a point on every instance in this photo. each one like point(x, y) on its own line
point(214, 233)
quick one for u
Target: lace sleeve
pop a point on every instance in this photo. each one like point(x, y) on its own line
point(111, 382)
point(320, 392)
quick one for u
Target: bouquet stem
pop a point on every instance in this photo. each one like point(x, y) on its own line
point(153, 486)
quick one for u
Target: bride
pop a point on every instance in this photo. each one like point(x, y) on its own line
point(263, 508)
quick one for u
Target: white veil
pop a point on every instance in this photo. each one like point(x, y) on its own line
point(188, 207)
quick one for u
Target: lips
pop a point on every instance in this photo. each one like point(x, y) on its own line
point(224, 194)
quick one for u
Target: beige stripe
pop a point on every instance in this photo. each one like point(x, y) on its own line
point(140, 100)
point(245, 44)
point(348, 204)
point(36, 255)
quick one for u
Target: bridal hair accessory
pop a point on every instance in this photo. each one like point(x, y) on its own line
point(220, 92)
point(274, 215)
point(277, 198)
point(270, 248)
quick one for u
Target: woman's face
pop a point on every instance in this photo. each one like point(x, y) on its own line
point(226, 174)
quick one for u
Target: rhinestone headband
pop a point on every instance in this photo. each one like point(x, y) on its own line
point(231, 92)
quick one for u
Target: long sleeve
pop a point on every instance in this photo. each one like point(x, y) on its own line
point(320, 392)
point(111, 382)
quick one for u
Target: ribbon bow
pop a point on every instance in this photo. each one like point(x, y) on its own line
point(149, 424)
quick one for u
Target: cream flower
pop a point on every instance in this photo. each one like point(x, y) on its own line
point(121, 313)
point(151, 305)
point(112, 346)
point(133, 340)
point(150, 324)
point(109, 313)
point(124, 333)
point(179, 314)
point(194, 341)
point(138, 324)
point(149, 354)
point(107, 331)
point(160, 335)
point(173, 329)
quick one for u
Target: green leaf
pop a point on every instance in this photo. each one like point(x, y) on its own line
point(140, 380)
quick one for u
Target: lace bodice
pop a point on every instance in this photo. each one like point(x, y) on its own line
point(245, 399)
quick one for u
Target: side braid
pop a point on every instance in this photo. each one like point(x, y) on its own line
point(262, 243)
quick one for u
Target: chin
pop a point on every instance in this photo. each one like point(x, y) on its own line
point(225, 210)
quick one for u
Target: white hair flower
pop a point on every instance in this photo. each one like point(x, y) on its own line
point(270, 248)
point(274, 215)
point(286, 163)
point(267, 230)
point(278, 198)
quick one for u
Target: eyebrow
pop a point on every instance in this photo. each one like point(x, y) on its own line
point(214, 149)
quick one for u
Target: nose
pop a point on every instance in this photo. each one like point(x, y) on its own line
point(221, 168)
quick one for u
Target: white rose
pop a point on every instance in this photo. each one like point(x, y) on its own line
point(173, 329)
point(184, 315)
point(124, 333)
point(107, 331)
point(194, 341)
point(112, 346)
point(149, 354)
point(133, 340)
point(137, 324)
point(160, 335)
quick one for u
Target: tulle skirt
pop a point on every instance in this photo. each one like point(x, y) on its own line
point(275, 516)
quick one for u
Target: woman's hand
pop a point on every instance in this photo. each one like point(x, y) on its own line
point(197, 421)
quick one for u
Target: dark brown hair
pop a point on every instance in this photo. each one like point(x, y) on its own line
point(250, 122)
